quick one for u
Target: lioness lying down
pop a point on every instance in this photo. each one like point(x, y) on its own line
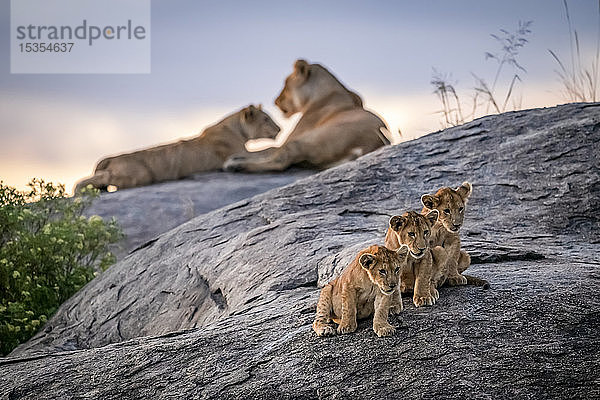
point(205, 152)
point(366, 287)
point(334, 126)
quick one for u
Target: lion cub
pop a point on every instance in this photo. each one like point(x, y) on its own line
point(450, 204)
point(414, 230)
point(366, 287)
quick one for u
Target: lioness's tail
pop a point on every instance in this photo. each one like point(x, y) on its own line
point(321, 325)
point(474, 281)
point(100, 180)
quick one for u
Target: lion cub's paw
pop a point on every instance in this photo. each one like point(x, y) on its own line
point(396, 308)
point(435, 294)
point(403, 287)
point(423, 301)
point(346, 328)
point(324, 330)
point(384, 329)
point(457, 280)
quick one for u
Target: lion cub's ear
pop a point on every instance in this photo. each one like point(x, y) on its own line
point(464, 190)
point(396, 222)
point(367, 260)
point(402, 251)
point(430, 201)
point(432, 216)
point(302, 68)
point(249, 113)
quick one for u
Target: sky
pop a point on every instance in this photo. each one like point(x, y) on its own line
point(212, 58)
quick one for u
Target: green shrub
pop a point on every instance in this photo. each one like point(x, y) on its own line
point(48, 251)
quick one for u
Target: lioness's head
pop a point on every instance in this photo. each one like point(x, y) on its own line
point(383, 266)
point(450, 203)
point(309, 83)
point(413, 229)
point(257, 124)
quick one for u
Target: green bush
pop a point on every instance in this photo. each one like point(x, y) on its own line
point(48, 251)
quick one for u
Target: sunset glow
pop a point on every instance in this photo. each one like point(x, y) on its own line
point(58, 126)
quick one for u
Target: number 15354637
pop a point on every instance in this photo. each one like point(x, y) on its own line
point(45, 47)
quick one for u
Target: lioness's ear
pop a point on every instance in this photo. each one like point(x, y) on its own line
point(430, 201)
point(259, 107)
point(367, 260)
point(396, 222)
point(249, 113)
point(432, 216)
point(402, 251)
point(464, 190)
point(301, 67)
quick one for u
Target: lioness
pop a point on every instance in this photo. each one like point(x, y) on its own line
point(414, 230)
point(450, 203)
point(366, 287)
point(334, 126)
point(176, 160)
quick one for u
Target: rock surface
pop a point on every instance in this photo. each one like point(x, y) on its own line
point(221, 306)
point(146, 212)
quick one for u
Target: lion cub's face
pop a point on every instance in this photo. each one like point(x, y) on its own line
point(384, 266)
point(414, 229)
point(258, 124)
point(450, 203)
point(292, 96)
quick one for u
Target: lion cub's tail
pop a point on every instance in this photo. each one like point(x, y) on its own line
point(474, 281)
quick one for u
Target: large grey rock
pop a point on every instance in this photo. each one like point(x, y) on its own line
point(146, 212)
point(221, 307)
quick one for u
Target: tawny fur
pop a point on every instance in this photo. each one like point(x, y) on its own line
point(366, 287)
point(451, 206)
point(334, 126)
point(414, 230)
point(206, 152)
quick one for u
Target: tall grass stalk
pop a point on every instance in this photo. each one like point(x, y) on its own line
point(490, 97)
point(579, 83)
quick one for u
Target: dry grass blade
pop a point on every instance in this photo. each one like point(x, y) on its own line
point(510, 90)
point(451, 108)
point(484, 89)
point(562, 66)
point(506, 57)
point(579, 83)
